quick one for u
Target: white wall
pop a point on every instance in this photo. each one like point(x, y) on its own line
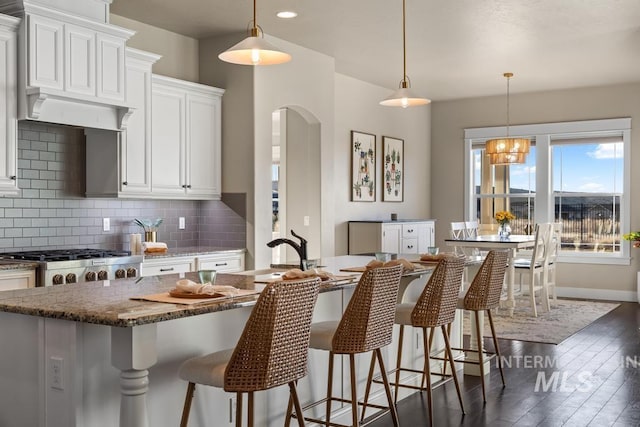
point(357, 108)
point(449, 119)
point(179, 53)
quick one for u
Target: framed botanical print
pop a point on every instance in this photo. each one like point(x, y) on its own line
point(363, 167)
point(392, 169)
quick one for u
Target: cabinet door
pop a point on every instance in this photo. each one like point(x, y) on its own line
point(135, 156)
point(110, 67)
point(45, 53)
point(17, 279)
point(168, 141)
point(391, 238)
point(8, 114)
point(80, 60)
point(426, 237)
point(203, 146)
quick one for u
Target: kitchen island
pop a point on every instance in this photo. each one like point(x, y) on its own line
point(63, 347)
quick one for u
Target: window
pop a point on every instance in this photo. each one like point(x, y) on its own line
point(576, 173)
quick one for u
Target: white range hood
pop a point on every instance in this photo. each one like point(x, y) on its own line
point(71, 63)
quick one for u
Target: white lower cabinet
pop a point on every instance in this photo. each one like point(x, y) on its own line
point(17, 279)
point(225, 262)
point(395, 237)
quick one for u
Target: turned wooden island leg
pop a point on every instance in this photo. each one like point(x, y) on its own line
point(133, 352)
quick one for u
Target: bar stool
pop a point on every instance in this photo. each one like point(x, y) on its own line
point(366, 325)
point(484, 295)
point(436, 307)
point(272, 350)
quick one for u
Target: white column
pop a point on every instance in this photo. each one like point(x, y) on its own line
point(133, 352)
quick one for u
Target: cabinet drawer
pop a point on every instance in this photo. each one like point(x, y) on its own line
point(409, 246)
point(228, 263)
point(410, 231)
point(167, 268)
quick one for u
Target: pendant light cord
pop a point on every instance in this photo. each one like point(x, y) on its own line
point(255, 23)
point(404, 42)
point(508, 76)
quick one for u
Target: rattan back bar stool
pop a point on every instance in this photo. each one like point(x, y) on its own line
point(366, 325)
point(272, 350)
point(436, 307)
point(484, 295)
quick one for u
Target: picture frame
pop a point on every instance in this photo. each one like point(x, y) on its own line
point(392, 169)
point(363, 167)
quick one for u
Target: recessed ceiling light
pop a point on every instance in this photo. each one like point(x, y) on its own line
point(286, 14)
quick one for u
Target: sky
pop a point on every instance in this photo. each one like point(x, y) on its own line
point(590, 168)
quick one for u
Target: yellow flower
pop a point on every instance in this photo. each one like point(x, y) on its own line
point(503, 217)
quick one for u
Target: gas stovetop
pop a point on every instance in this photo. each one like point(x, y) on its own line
point(61, 266)
point(65, 254)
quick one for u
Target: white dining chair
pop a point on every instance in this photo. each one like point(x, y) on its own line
point(535, 267)
point(553, 250)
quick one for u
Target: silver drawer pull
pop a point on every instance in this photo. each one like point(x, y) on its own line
point(218, 264)
point(166, 269)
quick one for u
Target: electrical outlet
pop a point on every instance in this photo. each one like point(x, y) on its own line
point(306, 221)
point(181, 224)
point(56, 372)
point(232, 409)
point(106, 224)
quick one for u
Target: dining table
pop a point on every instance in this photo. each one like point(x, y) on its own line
point(513, 243)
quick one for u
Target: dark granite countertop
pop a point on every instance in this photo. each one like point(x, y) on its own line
point(194, 251)
point(109, 302)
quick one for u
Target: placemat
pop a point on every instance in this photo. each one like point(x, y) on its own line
point(271, 279)
point(166, 298)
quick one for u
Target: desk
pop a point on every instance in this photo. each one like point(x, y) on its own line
point(513, 243)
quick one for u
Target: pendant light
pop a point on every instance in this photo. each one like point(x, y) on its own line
point(254, 50)
point(404, 97)
point(505, 151)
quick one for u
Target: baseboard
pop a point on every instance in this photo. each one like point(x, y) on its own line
point(597, 294)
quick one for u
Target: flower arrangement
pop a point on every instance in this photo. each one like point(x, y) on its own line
point(634, 237)
point(503, 217)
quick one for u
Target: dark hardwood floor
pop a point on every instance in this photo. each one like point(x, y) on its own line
point(590, 379)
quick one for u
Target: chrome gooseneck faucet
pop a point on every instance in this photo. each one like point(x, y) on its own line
point(301, 248)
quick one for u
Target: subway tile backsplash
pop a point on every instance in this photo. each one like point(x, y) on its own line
point(51, 211)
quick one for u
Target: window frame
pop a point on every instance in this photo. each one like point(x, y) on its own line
point(544, 197)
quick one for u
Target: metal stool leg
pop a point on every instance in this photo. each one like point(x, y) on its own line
point(354, 390)
point(480, 355)
point(187, 404)
point(329, 391)
point(296, 402)
point(387, 388)
point(399, 362)
point(427, 373)
point(495, 344)
point(449, 357)
point(368, 387)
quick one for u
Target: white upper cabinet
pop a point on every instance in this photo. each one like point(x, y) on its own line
point(80, 46)
point(186, 140)
point(110, 67)
point(46, 53)
point(8, 106)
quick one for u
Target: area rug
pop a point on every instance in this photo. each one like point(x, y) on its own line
point(565, 319)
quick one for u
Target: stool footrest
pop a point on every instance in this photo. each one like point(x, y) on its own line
point(338, 399)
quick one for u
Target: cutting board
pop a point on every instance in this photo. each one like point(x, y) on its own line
point(271, 279)
point(166, 298)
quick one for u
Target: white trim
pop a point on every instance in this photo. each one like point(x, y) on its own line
point(597, 294)
point(549, 128)
point(585, 257)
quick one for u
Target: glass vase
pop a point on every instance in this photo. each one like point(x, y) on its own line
point(504, 230)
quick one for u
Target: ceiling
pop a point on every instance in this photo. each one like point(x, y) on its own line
point(455, 48)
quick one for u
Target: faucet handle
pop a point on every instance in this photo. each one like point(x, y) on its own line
point(302, 239)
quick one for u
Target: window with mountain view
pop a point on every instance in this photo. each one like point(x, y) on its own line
point(576, 173)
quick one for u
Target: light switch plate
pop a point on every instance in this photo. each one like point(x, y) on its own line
point(181, 223)
point(106, 224)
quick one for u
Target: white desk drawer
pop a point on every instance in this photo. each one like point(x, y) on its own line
point(409, 231)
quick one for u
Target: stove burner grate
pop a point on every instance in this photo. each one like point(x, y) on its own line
point(65, 254)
